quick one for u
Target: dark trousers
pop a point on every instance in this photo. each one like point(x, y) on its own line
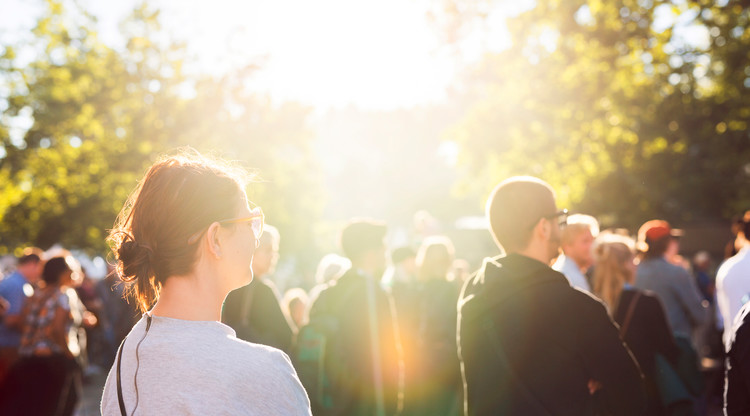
point(41, 386)
point(8, 357)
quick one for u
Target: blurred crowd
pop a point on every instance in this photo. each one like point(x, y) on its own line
point(58, 324)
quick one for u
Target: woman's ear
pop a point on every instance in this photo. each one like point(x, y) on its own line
point(213, 240)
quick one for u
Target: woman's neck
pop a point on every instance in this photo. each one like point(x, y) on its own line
point(189, 298)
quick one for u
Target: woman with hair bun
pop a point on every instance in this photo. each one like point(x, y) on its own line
point(640, 314)
point(184, 239)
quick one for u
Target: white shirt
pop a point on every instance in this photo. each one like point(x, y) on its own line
point(733, 287)
point(572, 272)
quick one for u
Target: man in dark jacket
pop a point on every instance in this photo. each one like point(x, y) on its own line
point(254, 310)
point(529, 343)
point(368, 344)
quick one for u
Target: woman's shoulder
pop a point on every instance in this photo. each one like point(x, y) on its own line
point(248, 351)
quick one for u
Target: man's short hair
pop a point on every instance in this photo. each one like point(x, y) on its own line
point(360, 236)
point(576, 224)
point(30, 255)
point(400, 254)
point(515, 206)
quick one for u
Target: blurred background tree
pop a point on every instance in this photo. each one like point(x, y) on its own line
point(631, 108)
point(81, 121)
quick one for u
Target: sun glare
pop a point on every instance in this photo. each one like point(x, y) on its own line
point(377, 55)
point(328, 53)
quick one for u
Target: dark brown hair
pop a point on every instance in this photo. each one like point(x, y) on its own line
point(30, 255)
point(657, 248)
point(54, 269)
point(361, 235)
point(178, 197)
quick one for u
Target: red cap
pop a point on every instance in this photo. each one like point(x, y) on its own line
point(657, 229)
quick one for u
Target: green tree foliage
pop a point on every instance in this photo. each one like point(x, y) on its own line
point(630, 108)
point(92, 118)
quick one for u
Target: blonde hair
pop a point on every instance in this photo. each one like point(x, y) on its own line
point(612, 253)
point(576, 224)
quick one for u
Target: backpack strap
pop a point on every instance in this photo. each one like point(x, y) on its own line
point(629, 315)
point(489, 329)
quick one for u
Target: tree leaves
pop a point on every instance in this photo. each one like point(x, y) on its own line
point(626, 118)
point(97, 117)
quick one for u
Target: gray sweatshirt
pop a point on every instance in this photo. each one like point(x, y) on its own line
point(201, 368)
point(677, 291)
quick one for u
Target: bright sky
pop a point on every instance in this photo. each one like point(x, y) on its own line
point(329, 52)
point(377, 54)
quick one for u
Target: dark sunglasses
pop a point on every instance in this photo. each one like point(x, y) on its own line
point(562, 218)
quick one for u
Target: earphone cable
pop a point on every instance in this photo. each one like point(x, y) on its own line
point(138, 362)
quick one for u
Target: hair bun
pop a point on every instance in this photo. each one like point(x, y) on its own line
point(135, 259)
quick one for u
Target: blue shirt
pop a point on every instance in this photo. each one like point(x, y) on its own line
point(12, 290)
point(569, 268)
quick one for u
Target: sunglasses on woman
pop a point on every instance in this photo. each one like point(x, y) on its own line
point(256, 220)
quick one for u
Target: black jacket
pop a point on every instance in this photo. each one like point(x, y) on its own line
point(254, 312)
point(349, 294)
point(556, 338)
point(648, 334)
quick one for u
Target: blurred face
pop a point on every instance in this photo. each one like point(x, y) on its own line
point(240, 243)
point(631, 265)
point(297, 311)
point(73, 276)
point(673, 248)
point(579, 249)
point(265, 258)
point(32, 271)
point(76, 276)
point(66, 279)
point(377, 260)
point(555, 235)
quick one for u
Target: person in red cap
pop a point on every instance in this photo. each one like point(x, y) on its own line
point(681, 299)
point(671, 283)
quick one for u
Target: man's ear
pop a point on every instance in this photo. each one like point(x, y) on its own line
point(543, 228)
point(213, 240)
